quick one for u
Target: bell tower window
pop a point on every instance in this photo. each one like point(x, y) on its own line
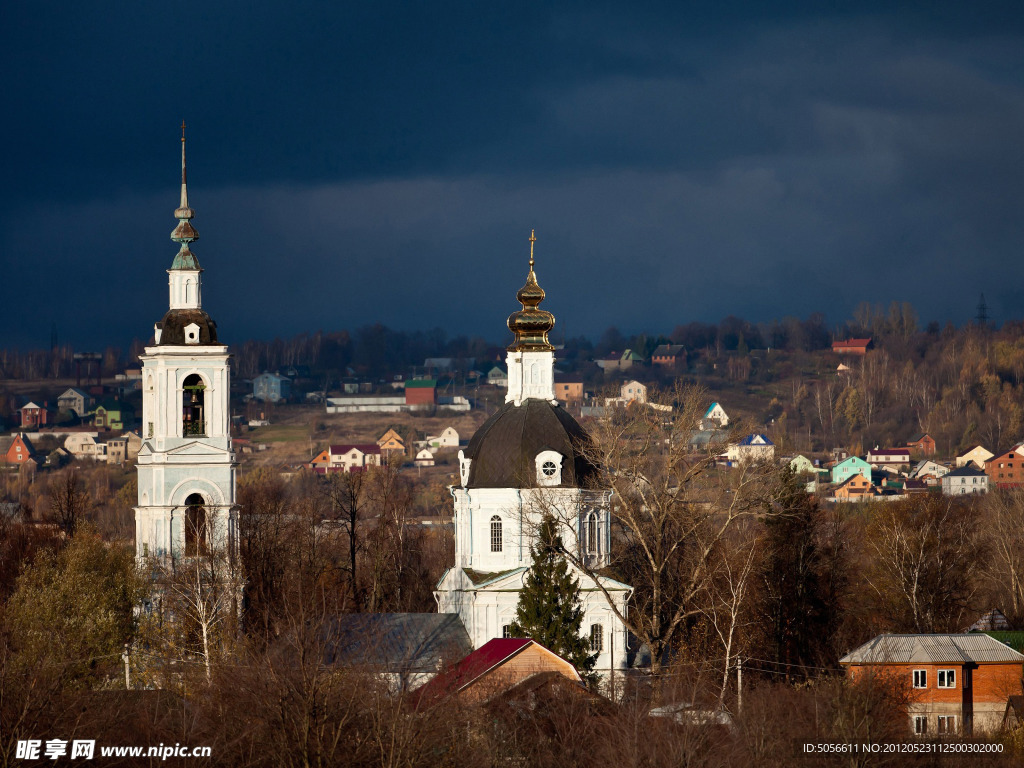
point(196, 532)
point(193, 413)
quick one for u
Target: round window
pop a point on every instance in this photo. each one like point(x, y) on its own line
point(549, 468)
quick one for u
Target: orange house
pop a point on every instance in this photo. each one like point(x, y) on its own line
point(1007, 470)
point(851, 347)
point(568, 391)
point(391, 443)
point(959, 683)
point(18, 451)
point(320, 462)
point(855, 488)
point(492, 669)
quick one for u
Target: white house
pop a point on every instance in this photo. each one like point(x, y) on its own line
point(497, 377)
point(75, 401)
point(888, 457)
point(751, 448)
point(927, 467)
point(633, 391)
point(81, 445)
point(714, 417)
point(964, 480)
point(448, 438)
point(349, 457)
point(424, 458)
point(525, 460)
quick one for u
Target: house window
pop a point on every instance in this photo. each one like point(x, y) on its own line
point(506, 631)
point(920, 678)
point(947, 723)
point(947, 678)
point(549, 468)
point(597, 638)
point(496, 534)
point(920, 725)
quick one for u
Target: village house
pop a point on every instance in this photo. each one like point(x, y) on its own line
point(566, 390)
point(884, 458)
point(978, 455)
point(391, 444)
point(858, 347)
point(75, 401)
point(493, 668)
point(714, 417)
point(424, 458)
point(854, 488)
point(928, 470)
point(353, 457)
point(16, 449)
point(112, 414)
point(960, 683)
point(318, 463)
point(81, 445)
point(271, 388)
point(922, 444)
point(845, 469)
point(448, 438)
point(964, 480)
point(497, 377)
point(801, 465)
point(751, 448)
point(623, 362)
point(1007, 470)
point(633, 391)
point(35, 416)
point(668, 355)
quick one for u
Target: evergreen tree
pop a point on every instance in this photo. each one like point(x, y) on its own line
point(549, 610)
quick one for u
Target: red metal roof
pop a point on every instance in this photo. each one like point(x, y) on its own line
point(851, 343)
point(473, 667)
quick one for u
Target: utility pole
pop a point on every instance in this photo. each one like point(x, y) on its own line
point(127, 673)
point(739, 685)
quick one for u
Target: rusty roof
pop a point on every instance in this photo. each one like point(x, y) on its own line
point(933, 649)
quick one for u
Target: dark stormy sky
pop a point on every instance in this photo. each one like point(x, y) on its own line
point(352, 163)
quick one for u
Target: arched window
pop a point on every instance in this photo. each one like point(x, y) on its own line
point(196, 532)
point(496, 534)
point(193, 415)
point(592, 544)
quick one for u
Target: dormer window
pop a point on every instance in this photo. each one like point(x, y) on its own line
point(549, 468)
point(192, 333)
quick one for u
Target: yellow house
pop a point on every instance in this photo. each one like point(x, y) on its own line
point(391, 443)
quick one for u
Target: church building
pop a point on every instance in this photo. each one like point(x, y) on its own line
point(186, 466)
point(527, 460)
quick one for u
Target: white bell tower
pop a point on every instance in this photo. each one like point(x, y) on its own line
point(186, 466)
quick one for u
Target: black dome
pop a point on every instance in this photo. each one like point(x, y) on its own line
point(174, 322)
point(503, 450)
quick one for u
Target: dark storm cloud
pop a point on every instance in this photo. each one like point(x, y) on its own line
point(385, 163)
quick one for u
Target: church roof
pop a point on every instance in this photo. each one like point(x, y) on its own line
point(503, 450)
point(174, 322)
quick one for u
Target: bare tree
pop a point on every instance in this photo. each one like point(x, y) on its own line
point(70, 502)
point(1004, 521)
point(672, 508)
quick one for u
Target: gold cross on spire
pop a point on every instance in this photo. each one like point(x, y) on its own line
point(182, 130)
point(533, 239)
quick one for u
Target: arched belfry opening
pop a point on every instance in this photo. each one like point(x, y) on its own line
point(197, 534)
point(193, 412)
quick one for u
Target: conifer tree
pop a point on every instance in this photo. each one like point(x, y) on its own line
point(549, 610)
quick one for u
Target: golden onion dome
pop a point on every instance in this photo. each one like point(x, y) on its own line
point(531, 324)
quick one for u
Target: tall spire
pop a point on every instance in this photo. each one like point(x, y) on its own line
point(531, 324)
point(184, 233)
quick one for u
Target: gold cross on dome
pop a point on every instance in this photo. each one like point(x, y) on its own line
point(533, 239)
point(182, 130)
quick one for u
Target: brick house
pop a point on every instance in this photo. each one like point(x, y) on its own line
point(1006, 470)
point(421, 392)
point(857, 347)
point(959, 683)
point(922, 444)
point(668, 354)
point(34, 416)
